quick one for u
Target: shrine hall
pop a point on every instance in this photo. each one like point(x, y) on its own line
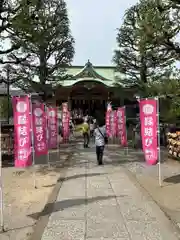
point(89, 88)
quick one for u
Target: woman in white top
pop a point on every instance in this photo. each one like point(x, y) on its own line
point(100, 141)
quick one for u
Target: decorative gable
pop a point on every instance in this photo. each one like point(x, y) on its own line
point(89, 72)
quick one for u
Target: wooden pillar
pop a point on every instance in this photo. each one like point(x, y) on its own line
point(69, 103)
point(108, 96)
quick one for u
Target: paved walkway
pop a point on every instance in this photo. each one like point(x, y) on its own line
point(102, 202)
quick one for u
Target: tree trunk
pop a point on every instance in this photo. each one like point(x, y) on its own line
point(143, 70)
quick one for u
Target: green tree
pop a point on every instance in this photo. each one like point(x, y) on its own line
point(162, 25)
point(4, 108)
point(140, 61)
point(42, 30)
point(8, 11)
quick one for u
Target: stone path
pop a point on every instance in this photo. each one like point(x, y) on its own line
point(102, 202)
point(166, 196)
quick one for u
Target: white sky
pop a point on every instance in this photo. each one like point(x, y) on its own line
point(93, 25)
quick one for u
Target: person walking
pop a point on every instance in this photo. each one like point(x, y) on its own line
point(86, 132)
point(100, 141)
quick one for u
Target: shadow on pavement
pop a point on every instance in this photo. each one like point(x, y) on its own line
point(173, 179)
point(64, 204)
point(116, 159)
point(75, 177)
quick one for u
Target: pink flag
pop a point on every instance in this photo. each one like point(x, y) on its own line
point(65, 122)
point(39, 129)
point(149, 124)
point(121, 126)
point(108, 127)
point(52, 127)
point(22, 131)
point(65, 107)
point(115, 124)
point(112, 124)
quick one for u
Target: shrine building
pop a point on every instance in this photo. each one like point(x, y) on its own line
point(90, 88)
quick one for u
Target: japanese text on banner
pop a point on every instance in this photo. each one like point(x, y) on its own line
point(22, 131)
point(66, 123)
point(52, 127)
point(108, 129)
point(149, 124)
point(121, 126)
point(39, 129)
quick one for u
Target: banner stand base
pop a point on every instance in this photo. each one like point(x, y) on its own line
point(126, 151)
point(2, 229)
point(34, 177)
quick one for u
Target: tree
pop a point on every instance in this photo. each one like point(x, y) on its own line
point(157, 32)
point(8, 11)
point(5, 111)
point(42, 30)
point(140, 61)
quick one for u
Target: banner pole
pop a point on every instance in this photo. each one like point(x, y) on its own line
point(125, 119)
point(57, 134)
point(32, 139)
point(1, 188)
point(159, 143)
point(47, 136)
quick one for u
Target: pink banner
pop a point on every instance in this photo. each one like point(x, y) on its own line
point(22, 131)
point(65, 123)
point(65, 107)
point(121, 126)
point(52, 127)
point(149, 124)
point(113, 123)
point(108, 127)
point(39, 129)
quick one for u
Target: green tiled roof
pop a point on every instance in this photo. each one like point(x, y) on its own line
point(103, 74)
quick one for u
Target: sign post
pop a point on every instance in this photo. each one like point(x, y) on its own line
point(159, 143)
point(32, 143)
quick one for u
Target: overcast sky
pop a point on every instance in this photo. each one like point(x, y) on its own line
point(93, 25)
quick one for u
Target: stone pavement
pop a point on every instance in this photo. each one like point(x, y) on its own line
point(166, 196)
point(102, 202)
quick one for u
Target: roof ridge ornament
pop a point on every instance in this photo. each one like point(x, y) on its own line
point(88, 64)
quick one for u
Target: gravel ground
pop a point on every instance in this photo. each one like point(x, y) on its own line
point(21, 199)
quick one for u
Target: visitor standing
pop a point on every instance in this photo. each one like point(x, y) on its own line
point(85, 130)
point(100, 141)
